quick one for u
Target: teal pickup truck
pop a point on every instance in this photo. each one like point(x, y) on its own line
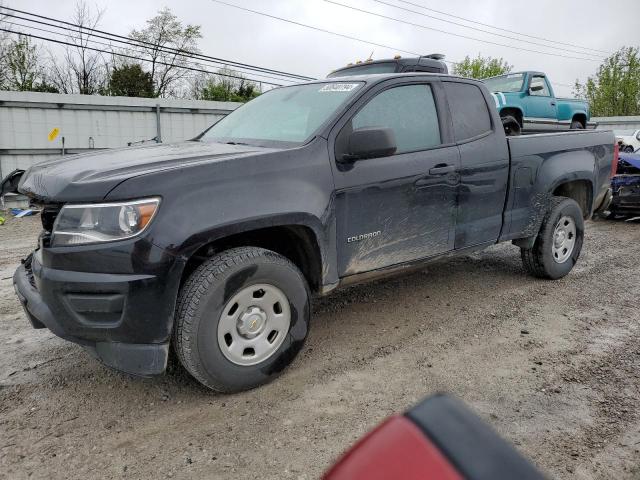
point(526, 103)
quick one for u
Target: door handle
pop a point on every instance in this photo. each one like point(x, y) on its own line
point(553, 104)
point(442, 169)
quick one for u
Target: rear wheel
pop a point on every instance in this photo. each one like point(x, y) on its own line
point(242, 317)
point(558, 245)
point(511, 125)
point(577, 125)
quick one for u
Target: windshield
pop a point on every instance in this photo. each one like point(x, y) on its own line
point(505, 83)
point(385, 67)
point(288, 115)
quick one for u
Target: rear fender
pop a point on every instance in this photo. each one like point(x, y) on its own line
point(533, 190)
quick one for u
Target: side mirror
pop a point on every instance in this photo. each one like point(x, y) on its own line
point(10, 183)
point(371, 142)
point(536, 88)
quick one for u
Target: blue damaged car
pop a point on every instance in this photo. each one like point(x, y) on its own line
point(625, 186)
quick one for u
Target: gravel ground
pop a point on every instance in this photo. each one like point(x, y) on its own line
point(553, 366)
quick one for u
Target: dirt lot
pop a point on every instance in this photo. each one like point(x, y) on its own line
point(553, 366)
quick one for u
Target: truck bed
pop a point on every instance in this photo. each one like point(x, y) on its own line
point(543, 161)
point(538, 143)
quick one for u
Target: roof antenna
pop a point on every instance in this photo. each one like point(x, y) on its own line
point(370, 59)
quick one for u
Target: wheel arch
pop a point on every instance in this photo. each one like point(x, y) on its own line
point(580, 190)
point(514, 112)
point(300, 242)
point(580, 117)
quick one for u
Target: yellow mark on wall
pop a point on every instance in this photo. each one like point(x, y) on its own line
point(53, 134)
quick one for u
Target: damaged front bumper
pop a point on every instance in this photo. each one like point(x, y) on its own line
point(124, 320)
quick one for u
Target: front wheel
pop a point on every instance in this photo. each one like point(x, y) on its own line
point(576, 125)
point(628, 149)
point(242, 317)
point(558, 245)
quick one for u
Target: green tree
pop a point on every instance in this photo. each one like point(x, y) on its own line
point(167, 44)
point(23, 69)
point(23, 65)
point(224, 88)
point(615, 88)
point(129, 81)
point(481, 67)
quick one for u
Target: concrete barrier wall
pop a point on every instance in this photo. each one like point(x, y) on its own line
point(89, 122)
point(618, 123)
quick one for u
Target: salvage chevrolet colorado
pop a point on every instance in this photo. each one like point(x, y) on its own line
point(216, 245)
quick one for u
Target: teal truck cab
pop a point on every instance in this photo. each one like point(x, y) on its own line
point(526, 103)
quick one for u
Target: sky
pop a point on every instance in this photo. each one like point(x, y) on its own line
point(250, 38)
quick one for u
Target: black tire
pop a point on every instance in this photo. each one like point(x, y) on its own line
point(576, 125)
point(539, 260)
point(199, 308)
point(511, 126)
point(628, 149)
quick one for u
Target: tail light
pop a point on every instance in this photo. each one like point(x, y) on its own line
point(614, 163)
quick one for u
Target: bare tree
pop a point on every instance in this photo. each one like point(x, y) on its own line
point(81, 70)
point(165, 42)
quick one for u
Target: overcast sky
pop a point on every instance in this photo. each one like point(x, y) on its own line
point(255, 39)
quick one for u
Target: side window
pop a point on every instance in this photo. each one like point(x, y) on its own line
point(538, 81)
point(410, 111)
point(469, 110)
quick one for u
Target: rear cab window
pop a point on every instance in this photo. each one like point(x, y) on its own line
point(469, 110)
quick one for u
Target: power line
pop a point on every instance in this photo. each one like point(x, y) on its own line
point(337, 34)
point(500, 28)
point(177, 51)
point(67, 35)
point(129, 50)
point(318, 29)
point(184, 67)
point(480, 29)
point(451, 33)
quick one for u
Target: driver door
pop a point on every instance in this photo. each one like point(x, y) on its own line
point(540, 109)
point(399, 208)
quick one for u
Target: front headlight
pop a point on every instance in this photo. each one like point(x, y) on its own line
point(102, 222)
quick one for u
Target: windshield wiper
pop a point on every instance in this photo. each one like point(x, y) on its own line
point(236, 143)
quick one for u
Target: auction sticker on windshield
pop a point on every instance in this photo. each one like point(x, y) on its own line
point(339, 87)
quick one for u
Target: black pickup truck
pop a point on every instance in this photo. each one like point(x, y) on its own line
point(217, 245)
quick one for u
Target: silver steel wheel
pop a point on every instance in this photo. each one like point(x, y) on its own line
point(564, 239)
point(253, 324)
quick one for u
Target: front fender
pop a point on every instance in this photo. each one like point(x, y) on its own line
point(204, 203)
point(323, 235)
